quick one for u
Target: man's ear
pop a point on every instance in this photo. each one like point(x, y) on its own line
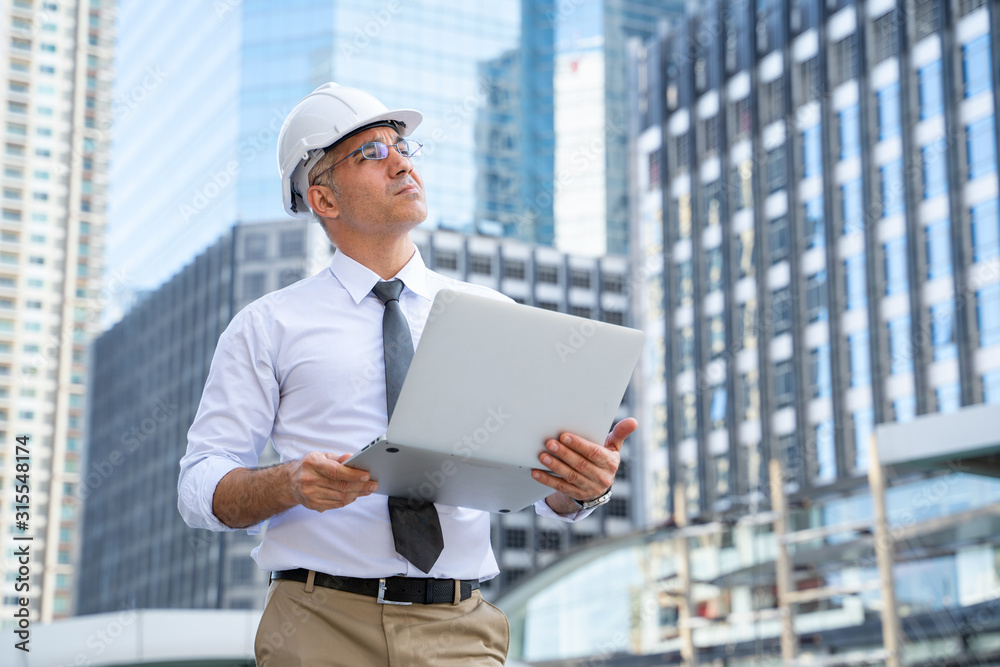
point(323, 202)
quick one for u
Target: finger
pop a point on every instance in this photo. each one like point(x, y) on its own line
point(333, 468)
point(623, 429)
point(571, 448)
point(586, 478)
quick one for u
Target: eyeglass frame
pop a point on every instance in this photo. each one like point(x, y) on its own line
point(361, 148)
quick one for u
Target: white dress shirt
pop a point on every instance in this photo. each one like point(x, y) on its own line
point(304, 367)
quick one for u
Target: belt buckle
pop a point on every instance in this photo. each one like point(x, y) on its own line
point(381, 595)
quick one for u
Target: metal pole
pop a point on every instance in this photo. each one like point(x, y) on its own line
point(885, 554)
point(783, 566)
point(684, 612)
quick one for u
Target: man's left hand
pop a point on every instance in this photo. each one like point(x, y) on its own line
point(583, 470)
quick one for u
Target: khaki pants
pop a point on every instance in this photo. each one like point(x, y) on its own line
point(314, 626)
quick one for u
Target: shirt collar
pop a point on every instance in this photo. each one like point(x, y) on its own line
point(359, 280)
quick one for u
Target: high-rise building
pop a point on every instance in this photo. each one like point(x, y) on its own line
point(147, 377)
point(558, 174)
point(817, 267)
point(198, 152)
point(149, 371)
point(57, 110)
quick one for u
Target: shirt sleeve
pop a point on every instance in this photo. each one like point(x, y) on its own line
point(234, 419)
point(542, 509)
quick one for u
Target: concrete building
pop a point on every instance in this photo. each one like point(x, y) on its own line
point(149, 371)
point(57, 109)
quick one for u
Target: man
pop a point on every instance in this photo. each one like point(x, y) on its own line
point(356, 578)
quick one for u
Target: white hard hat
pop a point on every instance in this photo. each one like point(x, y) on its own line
point(322, 118)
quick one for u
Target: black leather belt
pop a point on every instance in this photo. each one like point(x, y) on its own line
point(390, 590)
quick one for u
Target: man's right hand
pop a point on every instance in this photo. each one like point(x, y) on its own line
point(320, 481)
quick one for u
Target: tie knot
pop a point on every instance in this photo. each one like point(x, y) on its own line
point(388, 291)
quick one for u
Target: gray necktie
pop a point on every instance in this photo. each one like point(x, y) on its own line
point(416, 528)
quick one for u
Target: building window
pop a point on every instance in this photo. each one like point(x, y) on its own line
point(776, 176)
point(938, 249)
point(816, 299)
point(746, 325)
point(988, 315)
point(713, 269)
point(513, 269)
point(808, 85)
point(927, 17)
point(893, 194)
point(480, 264)
point(618, 507)
point(812, 152)
point(613, 317)
point(814, 231)
point(717, 411)
point(716, 336)
point(255, 247)
point(820, 380)
point(548, 305)
point(781, 307)
point(864, 424)
point(746, 254)
point(580, 311)
point(515, 538)
point(446, 259)
point(986, 230)
point(579, 278)
point(982, 148)
point(288, 277)
point(254, 285)
point(773, 101)
point(943, 330)
point(949, 398)
point(929, 84)
point(548, 540)
point(976, 66)
point(852, 206)
point(855, 280)
point(750, 390)
point(740, 124)
point(991, 387)
point(860, 368)
point(900, 347)
point(826, 453)
point(547, 274)
point(895, 266)
point(935, 169)
point(778, 237)
point(689, 415)
point(686, 348)
point(885, 36)
point(654, 170)
point(844, 59)
point(685, 279)
point(613, 283)
point(293, 243)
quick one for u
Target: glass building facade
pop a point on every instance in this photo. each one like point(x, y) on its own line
point(198, 152)
point(814, 227)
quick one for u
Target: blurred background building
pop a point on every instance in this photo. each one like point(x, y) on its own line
point(57, 110)
point(815, 209)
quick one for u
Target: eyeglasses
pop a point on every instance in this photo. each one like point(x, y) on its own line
point(376, 150)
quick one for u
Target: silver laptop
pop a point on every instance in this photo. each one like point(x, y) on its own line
point(489, 384)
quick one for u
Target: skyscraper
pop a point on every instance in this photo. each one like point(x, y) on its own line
point(571, 142)
point(57, 111)
point(199, 152)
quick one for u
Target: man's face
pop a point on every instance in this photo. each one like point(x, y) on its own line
point(380, 197)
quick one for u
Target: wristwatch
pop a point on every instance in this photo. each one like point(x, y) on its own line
point(596, 502)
